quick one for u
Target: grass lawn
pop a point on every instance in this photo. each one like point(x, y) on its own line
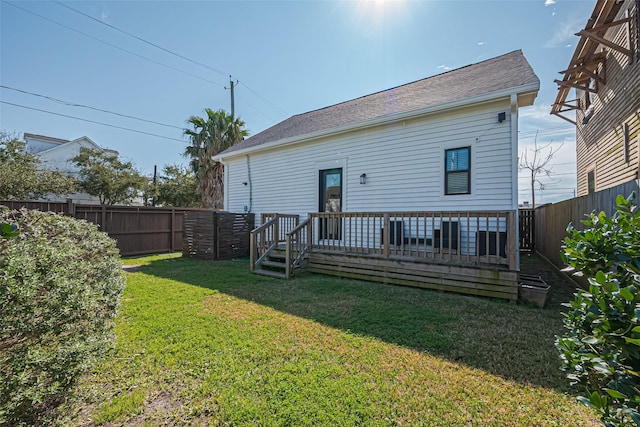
point(207, 343)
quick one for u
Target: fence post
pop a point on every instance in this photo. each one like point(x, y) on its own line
point(103, 219)
point(71, 208)
point(216, 247)
point(173, 230)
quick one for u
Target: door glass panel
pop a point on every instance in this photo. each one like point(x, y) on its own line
point(330, 201)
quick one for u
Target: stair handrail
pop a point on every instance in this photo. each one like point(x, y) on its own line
point(263, 239)
point(296, 247)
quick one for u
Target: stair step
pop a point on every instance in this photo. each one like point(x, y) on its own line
point(277, 254)
point(274, 264)
point(270, 273)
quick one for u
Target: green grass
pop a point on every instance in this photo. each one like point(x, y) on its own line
point(207, 343)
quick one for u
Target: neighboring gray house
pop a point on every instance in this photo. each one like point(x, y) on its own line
point(439, 155)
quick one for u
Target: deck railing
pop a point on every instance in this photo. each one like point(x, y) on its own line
point(296, 247)
point(286, 223)
point(465, 238)
point(262, 240)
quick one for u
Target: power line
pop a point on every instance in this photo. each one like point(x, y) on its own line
point(113, 45)
point(223, 73)
point(71, 104)
point(216, 70)
point(265, 100)
point(144, 57)
point(91, 121)
point(256, 109)
point(193, 61)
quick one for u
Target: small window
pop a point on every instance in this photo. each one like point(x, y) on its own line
point(591, 182)
point(457, 176)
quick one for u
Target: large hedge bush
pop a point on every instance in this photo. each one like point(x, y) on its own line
point(601, 353)
point(60, 287)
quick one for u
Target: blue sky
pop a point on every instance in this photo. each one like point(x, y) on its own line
point(288, 56)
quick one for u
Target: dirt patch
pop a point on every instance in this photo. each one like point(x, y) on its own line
point(132, 268)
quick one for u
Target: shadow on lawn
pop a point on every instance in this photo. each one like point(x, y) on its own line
point(515, 342)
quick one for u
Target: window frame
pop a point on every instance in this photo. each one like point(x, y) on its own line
point(447, 172)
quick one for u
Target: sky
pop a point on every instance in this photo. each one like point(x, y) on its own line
point(164, 61)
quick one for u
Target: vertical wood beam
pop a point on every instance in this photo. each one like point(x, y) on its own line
point(309, 232)
point(103, 219)
point(287, 261)
point(386, 235)
point(514, 171)
point(512, 238)
point(172, 229)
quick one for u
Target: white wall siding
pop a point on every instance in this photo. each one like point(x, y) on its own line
point(36, 145)
point(404, 163)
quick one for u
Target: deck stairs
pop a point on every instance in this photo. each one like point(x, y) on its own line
point(274, 263)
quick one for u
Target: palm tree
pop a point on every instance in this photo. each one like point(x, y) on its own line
point(211, 135)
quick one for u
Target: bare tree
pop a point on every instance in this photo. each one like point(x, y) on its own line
point(537, 163)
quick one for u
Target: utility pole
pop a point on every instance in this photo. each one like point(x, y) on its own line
point(232, 85)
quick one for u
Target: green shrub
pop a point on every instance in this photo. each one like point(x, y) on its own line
point(601, 353)
point(60, 287)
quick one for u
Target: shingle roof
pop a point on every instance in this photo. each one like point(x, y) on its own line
point(508, 71)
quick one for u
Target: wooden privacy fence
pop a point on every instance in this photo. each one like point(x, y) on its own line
point(137, 230)
point(216, 235)
point(552, 219)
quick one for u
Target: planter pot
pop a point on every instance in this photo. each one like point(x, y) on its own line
point(533, 289)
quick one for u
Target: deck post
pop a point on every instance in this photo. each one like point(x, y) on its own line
point(310, 232)
point(512, 236)
point(276, 230)
point(287, 260)
point(386, 235)
point(252, 251)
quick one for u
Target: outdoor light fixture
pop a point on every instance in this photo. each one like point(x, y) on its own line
point(502, 117)
point(363, 178)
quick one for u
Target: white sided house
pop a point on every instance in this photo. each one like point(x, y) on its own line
point(56, 154)
point(414, 185)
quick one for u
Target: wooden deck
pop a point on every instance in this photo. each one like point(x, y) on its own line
point(466, 252)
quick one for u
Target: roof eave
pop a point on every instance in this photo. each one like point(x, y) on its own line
point(526, 95)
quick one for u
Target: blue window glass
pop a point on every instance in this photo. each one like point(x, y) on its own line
point(457, 177)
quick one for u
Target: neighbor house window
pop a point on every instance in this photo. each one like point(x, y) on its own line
point(591, 182)
point(457, 175)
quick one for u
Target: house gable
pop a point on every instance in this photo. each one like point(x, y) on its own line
point(38, 143)
point(57, 153)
